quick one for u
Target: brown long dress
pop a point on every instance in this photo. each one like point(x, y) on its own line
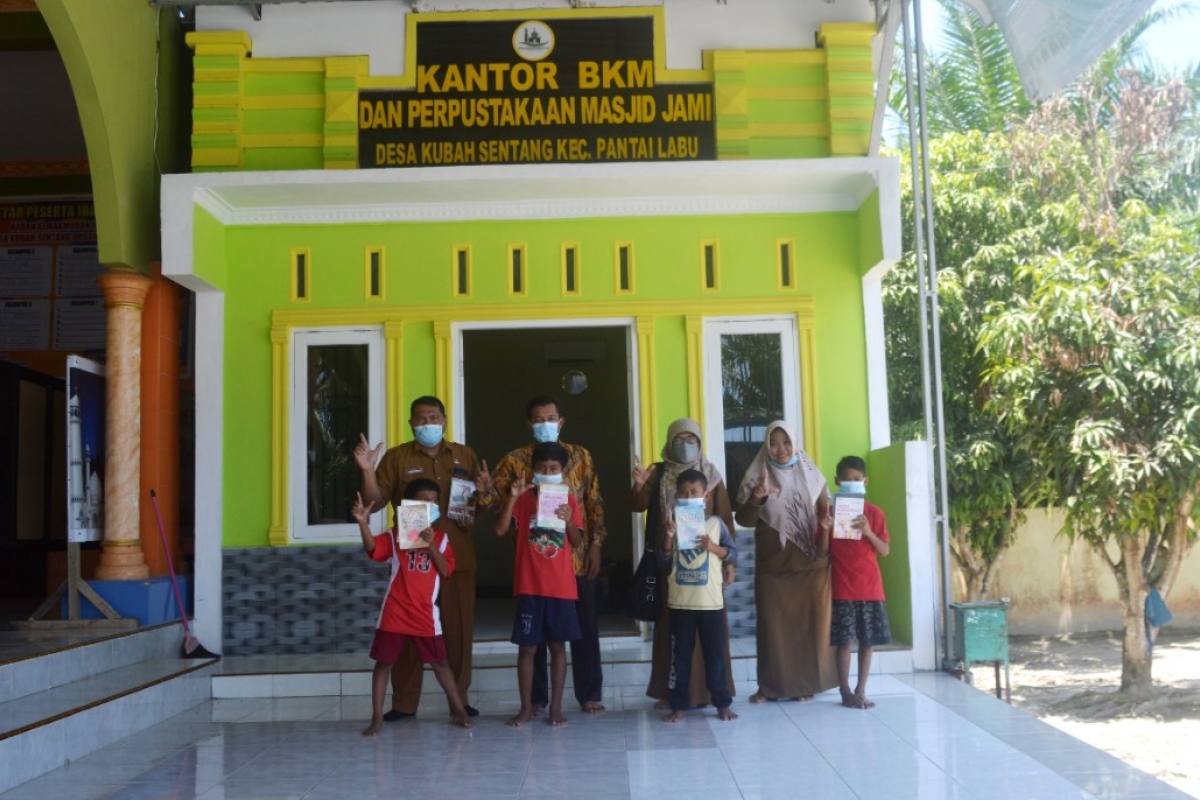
point(717, 505)
point(793, 595)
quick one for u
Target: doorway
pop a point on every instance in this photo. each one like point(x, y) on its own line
point(588, 370)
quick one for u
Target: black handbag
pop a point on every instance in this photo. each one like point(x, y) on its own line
point(646, 594)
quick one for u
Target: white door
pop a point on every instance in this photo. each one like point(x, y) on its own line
point(337, 393)
point(752, 378)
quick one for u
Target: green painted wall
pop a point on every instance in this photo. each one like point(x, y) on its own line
point(885, 471)
point(418, 276)
point(870, 243)
point(112, 52)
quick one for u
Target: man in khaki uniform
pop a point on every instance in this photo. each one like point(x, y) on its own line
point(452, 467)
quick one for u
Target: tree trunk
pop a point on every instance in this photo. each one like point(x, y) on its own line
point(1136, 679)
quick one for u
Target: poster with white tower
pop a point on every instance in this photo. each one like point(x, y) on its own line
point(85, 450)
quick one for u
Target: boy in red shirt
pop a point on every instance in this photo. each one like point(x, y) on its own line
point(859, 610)
point(544, 578)
point(409, 612)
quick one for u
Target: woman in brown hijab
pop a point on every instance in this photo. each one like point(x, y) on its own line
point(785, 499)
point(654, 491)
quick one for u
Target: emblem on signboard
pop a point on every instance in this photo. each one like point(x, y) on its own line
point(533, 40)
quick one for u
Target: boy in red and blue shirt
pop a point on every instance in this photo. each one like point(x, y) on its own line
point(544, 578)
point(409, 611)
point(859, 608)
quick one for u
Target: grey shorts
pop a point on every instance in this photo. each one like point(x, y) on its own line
point(864, 620)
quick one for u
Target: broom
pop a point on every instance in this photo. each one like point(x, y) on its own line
point(191, 645)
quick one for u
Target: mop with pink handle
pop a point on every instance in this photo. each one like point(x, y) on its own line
point(191, 645)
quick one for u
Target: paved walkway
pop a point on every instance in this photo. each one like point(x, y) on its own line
point(929, 737)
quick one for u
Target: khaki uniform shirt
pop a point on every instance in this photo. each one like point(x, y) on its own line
point(406, 462)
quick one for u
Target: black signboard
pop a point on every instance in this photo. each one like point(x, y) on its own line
point(521, 92)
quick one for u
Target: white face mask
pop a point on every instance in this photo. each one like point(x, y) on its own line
point(538, 479)
point(545, 431)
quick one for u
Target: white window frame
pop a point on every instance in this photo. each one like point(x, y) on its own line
point(302, 338)
point(714, 417)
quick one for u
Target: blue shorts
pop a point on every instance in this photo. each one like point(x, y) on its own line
point(544, 619)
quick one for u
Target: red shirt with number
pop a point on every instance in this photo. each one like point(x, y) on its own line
point(855, 564)
point(409, 606)
point(543, 557)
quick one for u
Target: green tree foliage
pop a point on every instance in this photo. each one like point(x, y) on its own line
point(1095, 370)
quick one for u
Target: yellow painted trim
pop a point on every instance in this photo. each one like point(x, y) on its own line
point(629, 266)
point(216, 157)
point(294, 277)
point(523, 270)
point(443, 370)
point(283, 140)
point(716, 259)
point(592, 309)
point(393, 333)
point(807, 332)
point(647, 397)
point(564, 248)
point(455, 252)
point(239, 40)
point(273, 102)
point(791, 245)
point(694, 325)
point(792, 93)
point(279, 534)
point(285, 65)
point(367, 274)
point(216, 100)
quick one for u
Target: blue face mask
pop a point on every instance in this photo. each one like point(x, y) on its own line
point(852, 487)
point(791, 462)
point(539, 479)
point(545, 431)
point(428, 435)
point(690, 501)
point(434, 513)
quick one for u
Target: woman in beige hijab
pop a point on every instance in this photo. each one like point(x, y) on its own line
point(654, 490)
point(785, 499)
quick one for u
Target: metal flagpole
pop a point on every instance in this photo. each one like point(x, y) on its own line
point(926, 264)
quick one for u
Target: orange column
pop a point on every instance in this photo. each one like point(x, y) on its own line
point(124, 295)
point(160, 419)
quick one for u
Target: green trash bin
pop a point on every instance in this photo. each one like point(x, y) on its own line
point(981, 637)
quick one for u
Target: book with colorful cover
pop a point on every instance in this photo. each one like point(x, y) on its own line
point(689, 526)
point(412, 517)
point(461, 507)
point(550, 497)
point(846, 509)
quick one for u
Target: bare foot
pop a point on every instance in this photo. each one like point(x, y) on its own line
point(850, 700)
point(803, 698)
point(863, 702)
point(375, 728)
point(537, 709)
point(462, 720)
point(675, 716)
point(556, 718)
point(759, 697)
point(726, 714)
point(523, 716)
point(661, 705)
point(592, 707)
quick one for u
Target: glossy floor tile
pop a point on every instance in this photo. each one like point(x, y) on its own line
point(929, 737)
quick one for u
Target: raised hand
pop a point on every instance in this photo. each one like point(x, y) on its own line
point(364, 455)
point(763, 489)
point(519, 485)
point(483, 481)
point(640, 474)
point(426, 536)
point(360, 512)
